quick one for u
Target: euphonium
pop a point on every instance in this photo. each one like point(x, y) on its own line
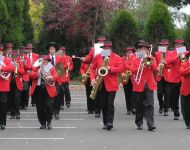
point(43, 74)
point(86, 76)
point(161, 65)
point(127, 76)
point(4, 75)
point(102, 71)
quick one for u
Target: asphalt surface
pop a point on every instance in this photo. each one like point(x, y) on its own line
point(77, 130)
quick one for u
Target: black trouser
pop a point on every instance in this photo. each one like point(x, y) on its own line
point(128, 91)
point(25, 94)
point(43, 105)
point(163, 94)
point(34, 97)
point(14, 95)
point(98, 103)
point(107, 103)
point(90, 102)
point(144, 101)
point(174, 97)
point(57, 102)
point(66, 93)
point(186, 108)
point(3, 107)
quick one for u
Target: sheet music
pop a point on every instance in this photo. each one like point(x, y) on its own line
point(181, 50)
point(97, 48)
point(140, 54)
point(162, 49)
point(105, 53)
point(48, 67)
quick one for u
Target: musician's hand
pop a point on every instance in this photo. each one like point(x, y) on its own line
point(93, 82)
point(49, 78)
point(123, 75)
point(108, 67)
point(83, 58)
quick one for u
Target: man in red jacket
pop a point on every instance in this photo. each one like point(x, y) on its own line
point(127, 85)
point(33, 57)
point(163, 77)
point(143, 87)
point(55, 59)
point(185, 90)
point(5, 66)
point(109, 84)
point(89, 59)
point(173, 60)
point(16, 86)
point(43, 84)
point(65, 79)
point(27, 68)
point(85, 72)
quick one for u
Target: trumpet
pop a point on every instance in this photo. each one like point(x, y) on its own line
point(75, 57)
point(161, 65)
point(128, 74)
point(102, 72)
point(67, 70)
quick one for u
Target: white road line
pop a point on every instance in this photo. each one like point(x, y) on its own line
point(31, 112)
point(39, 127)
point(31, 138)
point(30, 107)
point(59, 119)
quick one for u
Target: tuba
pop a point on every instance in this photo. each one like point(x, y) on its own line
point(4, 75)
point(102, 72)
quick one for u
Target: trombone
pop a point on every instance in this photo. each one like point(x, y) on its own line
point(144, 61)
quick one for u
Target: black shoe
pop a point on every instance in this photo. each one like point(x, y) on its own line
point(56, 116)
point(128, 112)
point(12, 117)
point(2, 127)
point(151, 128)
point(176, 117)
point(160, 110)
point(49, 126)
point(188, 126)
point(139, 127)
point(33, 105)
point(109, 126)
point(133, 111)
point(43, 126)
point(97, 115)
point(68, 105)
point(17, 116)
point(105, 127)
point(90, 112)
point(166, 113)
point(8, 113)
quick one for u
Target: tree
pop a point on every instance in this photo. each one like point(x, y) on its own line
point(123, 30)
point(160, 24)
point(187, 34)
point(3, 18)
point(27, 24)
point(15, 22)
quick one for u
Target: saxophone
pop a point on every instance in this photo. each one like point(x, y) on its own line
point(161, 65)
point(86, 76)
point(102, 72)
point(128, 74)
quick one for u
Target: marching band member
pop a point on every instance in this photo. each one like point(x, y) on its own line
point(43, 84)
point(85, 72)
point(109, 84)
point(143, 86)
point(173, 60)
point(89, 59)
point(5, 66)
point(55, 59)
point(163, 77)
point(185, 90)
point(126, 79)
point(33, 57)
point(27, 67)
point(16, 86)
point(65, 79)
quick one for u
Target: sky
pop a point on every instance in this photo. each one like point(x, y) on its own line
point(186, 10)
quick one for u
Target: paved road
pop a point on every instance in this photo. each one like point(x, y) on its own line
point(78, 130)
